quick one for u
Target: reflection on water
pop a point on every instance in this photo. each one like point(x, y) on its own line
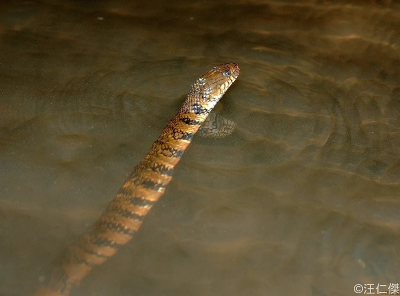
point(302, 199)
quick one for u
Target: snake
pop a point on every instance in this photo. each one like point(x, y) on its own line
point(145, 185)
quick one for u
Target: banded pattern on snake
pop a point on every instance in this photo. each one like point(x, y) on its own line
point(145, 185)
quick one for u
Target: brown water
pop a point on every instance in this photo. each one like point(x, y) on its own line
point(303, 199)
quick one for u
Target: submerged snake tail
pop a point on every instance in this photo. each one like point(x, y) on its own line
point(125, 214)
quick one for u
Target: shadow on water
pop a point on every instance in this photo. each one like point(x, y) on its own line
point(302, 199)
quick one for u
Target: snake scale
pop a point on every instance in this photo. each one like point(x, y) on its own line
point(145, 185)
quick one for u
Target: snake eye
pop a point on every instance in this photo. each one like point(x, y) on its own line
point(226, 73)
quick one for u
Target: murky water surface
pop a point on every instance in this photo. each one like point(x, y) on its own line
point(304, 197)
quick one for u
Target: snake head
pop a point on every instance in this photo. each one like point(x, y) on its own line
point(209, 88)
point(219, 79)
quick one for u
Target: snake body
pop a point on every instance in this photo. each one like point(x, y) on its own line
point(124, 215)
